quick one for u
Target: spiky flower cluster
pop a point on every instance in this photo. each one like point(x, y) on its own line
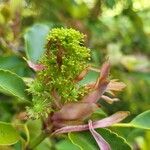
point(64, 59)
point(58, 98)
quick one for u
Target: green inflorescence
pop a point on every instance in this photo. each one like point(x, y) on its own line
point(64, 59)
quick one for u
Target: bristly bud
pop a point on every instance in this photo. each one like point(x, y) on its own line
point(64, 60)
point(58, 99)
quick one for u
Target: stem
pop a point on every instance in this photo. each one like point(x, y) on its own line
point(123, 125)
point(96, 10)
point(35, 142)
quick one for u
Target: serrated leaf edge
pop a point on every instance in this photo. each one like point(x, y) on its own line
point(123, 139)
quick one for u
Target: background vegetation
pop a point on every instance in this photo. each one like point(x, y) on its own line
point(118, 29)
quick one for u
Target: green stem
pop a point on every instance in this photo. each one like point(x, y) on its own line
point(123, 125)
point(38, 140)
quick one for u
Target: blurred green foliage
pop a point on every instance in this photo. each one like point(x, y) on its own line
point(118, 29)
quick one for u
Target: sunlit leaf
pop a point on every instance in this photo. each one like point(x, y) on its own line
point(12, 84)
point(142, 120)
point(8, 135)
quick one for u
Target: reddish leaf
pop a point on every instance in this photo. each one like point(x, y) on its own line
point(103, 145)
point(100, 85)
point(82, 75)
point(115, 86)
point(103, 74)
point(109, 100)
point(106, 122)
point(35, 67)
point(75, 111)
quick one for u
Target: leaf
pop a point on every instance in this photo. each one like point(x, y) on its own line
point(66, 144)
point(44, 145)
point(74, 111)
point(24, 132)
point(116, 142)
point(100, 85)
point(12, 84)
point(8, 135)
point(98, 114)
point(110, 120)
point(35, 39)
point(110, 3)
point(85, 140)
point(103, 145)
point(142, 121)
point(35, 67)
point(34, 128)
point(105, 122)
point(14, 64)
point(80, 140)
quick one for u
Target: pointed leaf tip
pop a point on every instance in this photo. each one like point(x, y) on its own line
point(108, 121)
point(105, 69)
point(35, 67)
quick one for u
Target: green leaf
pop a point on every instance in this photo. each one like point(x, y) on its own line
point(12, 84)
point(82, 140)
point(34, 127)
point(98, 114)
point(35, 39)
point(24, 132)
point(85, 141)
point(14, 64)
point(44, 145)
point(142, 121)
point(66, 144)
point(8, 135)
point(110, 3)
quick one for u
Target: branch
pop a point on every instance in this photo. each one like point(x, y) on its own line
point(96, 11)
